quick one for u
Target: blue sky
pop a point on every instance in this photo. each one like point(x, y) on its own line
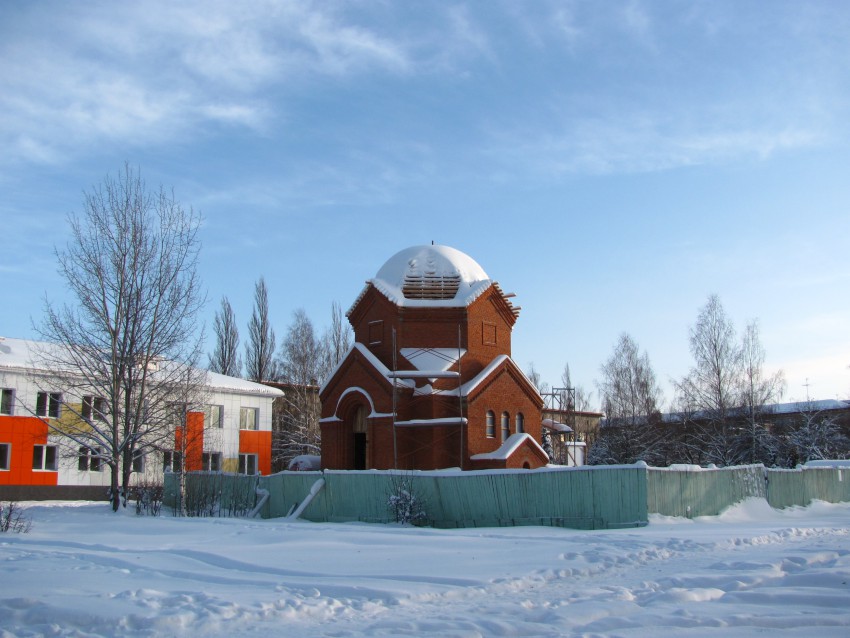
point(612, 163)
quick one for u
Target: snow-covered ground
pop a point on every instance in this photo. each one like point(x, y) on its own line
point(83, 571)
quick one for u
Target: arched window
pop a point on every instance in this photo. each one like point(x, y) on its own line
point(520, 423)
point(491, 424)
point(506, 426)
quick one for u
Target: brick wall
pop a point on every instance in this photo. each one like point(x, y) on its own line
point(485, 333)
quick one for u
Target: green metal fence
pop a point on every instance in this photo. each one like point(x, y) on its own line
point(605, 497)
point(702, 492)
point(803, 485)
point(707, 492)
point(584, 498)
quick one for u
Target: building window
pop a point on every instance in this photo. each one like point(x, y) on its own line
point(138, 461)
point(506, 426)
point(376, 332)
point(7, 401)
point(89, 460)
point(94, 407)
point(520, 423)
point(47, 404)
point(44, 457)
point(5, 453)
point(491, 424)
point(172, 461)
point(248, 464)
point(211, 461)
point(212, 416)
point(248, 418)
point(488, 333)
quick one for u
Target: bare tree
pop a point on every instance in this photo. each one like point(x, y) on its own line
point(816, 435)
point(724, 395)
point(630, 399)
point(712, 389)
point(758, 390)
point(186, 430)
point(543, 388)
point(629, 391)
point(129, 340)
point(259, 351)
point(225, 358)
point(536, 380)
point(336, 341)
point(582, 397)
point(300, 361)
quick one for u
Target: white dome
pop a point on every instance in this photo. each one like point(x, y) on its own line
point(431, 275)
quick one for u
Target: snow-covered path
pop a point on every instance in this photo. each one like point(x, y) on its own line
point(83, 571)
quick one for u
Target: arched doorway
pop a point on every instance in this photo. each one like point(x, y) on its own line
point(360, 439)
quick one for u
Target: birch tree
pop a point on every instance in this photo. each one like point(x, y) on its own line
point(300, 363)
point(336, 341)
point(629, 390)
point(128, 341)
point(630, 399)
point(757, 390)
point(724, 396)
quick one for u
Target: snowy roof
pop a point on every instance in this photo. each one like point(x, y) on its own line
point(373, 361)
point(507, 448)
point(808, 406)
point(25, 354)
point(235, 384)
point(17, 353)
point(470, 386)
point(430, 276)
point(556, 425)
point(439, 359)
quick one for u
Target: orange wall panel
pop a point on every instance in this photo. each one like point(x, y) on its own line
point(22, 433)
point(257, 442)
point(193, 446)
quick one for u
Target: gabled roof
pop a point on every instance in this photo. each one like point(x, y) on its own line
point(498, 362)
point(373, 361)
point(511, 445)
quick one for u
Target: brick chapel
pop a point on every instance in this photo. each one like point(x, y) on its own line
point(430, 382)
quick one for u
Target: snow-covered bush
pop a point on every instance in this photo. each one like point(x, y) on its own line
point(217, 494)
point(404, 502)
point(148, 496)
point(13, 518)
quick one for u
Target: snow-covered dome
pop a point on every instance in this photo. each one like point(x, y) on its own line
point(431, 275)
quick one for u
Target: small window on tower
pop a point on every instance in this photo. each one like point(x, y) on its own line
point(376, 332)
point(488, 333)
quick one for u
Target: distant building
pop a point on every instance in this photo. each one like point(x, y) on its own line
point(430, 382)
point(231, 433)
point(570, 432)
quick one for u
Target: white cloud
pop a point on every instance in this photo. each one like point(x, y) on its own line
point(641, 142)
point(146, 73)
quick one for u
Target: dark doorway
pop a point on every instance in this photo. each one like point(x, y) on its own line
point(360, 440)
point(359, 450)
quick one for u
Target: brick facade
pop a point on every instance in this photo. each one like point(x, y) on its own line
point(440, 422)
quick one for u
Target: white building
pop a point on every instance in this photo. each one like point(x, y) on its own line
point(232, 433)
